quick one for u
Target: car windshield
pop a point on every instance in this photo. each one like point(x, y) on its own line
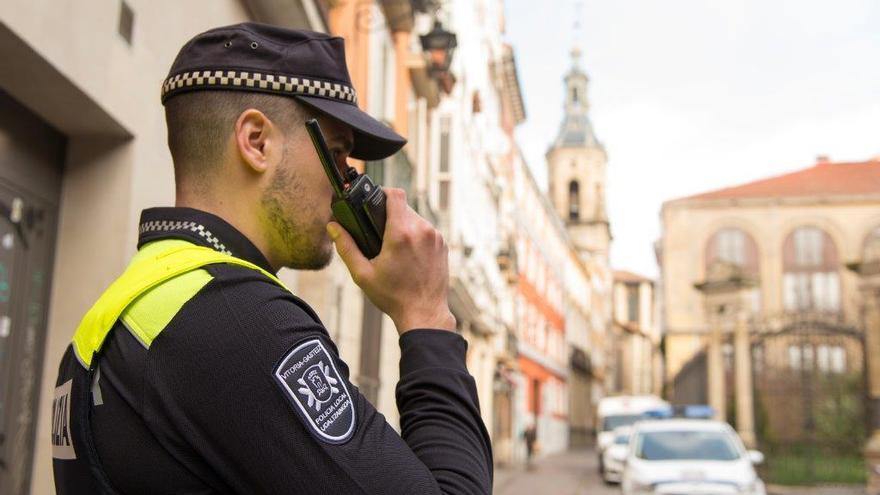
point(612, 422)
point(622, 439)
point(690, 445)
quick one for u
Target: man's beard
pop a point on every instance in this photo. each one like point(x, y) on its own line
point(301, 243)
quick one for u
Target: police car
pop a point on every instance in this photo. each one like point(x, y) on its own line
point(620, 411)
point(689, 457)
point(614, 456)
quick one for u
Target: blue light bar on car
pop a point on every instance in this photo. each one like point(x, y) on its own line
point(698, 411)
point(659, 413)
point(691, 411)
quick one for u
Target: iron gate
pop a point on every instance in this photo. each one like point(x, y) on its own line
point(809, 394)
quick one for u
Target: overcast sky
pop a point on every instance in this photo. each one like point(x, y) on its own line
point(692, 95)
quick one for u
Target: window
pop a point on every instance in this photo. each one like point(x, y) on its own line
point(371, 349)
point(632, 303)
point(810, 280)
point(794, 357)
point(381, 72)
point(574, 95)
point(444, 175)
point(126, 21)
point(736, 247)
point(803, 357)
point(536, 398)
point(444, 195)
point(574, 200)
point(702, 445)
point(831, 358)
point(444, 144)
point(732, 245)
point(808, 247)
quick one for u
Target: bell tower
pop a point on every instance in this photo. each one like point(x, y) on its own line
point(576, 170)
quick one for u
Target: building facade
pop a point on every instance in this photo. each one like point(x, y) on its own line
point(636, 336)
point(541, 247)
point(796, 325)
point(463, 189)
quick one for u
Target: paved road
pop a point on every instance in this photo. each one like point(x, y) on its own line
point(575, 473)
point(570, 473)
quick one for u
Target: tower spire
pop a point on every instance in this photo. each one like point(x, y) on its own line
point(576, 161)
point(576, 56)
point(576, 129)
point(576, 35)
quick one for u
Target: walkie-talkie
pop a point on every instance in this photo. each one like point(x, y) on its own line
point(358, 203)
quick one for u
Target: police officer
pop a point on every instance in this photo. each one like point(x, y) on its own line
point(197, 372)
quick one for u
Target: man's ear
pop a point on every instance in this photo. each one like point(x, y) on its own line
point(255, 139)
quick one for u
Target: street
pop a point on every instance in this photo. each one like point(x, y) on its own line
point(569, 473)
point(574, 473)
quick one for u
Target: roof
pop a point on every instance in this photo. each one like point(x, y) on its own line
point(629, 404)
point(824, 178)
point(576, 131)
point(681, 425)
point(625, 276)
point(510, 80)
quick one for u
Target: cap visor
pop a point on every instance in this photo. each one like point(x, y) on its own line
point(373, 140)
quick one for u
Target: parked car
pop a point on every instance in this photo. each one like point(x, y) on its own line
point(689, 456)
point(625, 410)
point(614, 456)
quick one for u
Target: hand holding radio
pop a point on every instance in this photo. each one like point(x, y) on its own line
point(395, 256)
point(358, 203)
point(409, 278)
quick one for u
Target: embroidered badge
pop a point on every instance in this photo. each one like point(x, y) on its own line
point(309, 378)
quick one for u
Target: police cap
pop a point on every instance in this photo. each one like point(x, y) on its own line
point(304, 65)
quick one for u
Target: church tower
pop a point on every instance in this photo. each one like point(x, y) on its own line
point(576, 171)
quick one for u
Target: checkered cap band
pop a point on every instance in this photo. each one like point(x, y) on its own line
point(285, 85)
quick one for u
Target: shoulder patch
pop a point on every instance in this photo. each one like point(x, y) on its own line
point(308, 377)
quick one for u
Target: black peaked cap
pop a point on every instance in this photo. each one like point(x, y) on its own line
point(305, 65)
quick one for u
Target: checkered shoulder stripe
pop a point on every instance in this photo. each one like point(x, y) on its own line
point(169, 226)
point(270, 82)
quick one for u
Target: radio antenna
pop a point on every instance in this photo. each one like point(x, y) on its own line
point(324, 155)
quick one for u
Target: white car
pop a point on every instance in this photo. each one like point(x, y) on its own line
point(614, 456)
point(623, 410)
point(689, 456)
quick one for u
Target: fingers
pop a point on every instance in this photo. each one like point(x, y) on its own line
point(395, 207)
point(405, 225)
point(358, 265)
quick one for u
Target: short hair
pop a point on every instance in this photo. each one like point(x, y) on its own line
point(200, 122)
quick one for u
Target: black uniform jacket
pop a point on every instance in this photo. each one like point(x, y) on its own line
point(244, 392)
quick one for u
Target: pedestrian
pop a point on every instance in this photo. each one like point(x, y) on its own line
point(530, 435)
point(197, 371)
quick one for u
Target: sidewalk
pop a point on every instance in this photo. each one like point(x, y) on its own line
point(566, 473)
point(815, 490)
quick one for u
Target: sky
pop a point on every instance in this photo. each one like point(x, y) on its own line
point(690, 96)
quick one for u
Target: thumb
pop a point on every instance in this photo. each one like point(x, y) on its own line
point(358, 265)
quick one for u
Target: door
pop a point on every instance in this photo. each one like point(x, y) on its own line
point(31, 154)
